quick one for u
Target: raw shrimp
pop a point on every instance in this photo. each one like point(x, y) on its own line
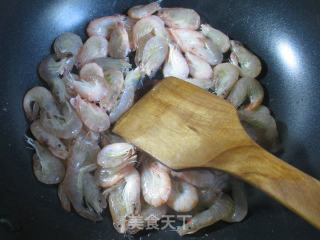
point(128, 24)
point(93, 88)
point(199, 68)
point(50, 71)
point(147, 25)
point(188, 40)
point(221, 40)
point(108, 177)
point(108, 138)
point(114, 64)
point(199, 178)
point(92, 116)
point(180, 18)
point(246, 88)
point(103, 26)
point(119, 45)
point(131, 192)
point(261, 127)
point(67, 45)
point(92, 195)
point(118, 209)
point(175, 64)
point(155, 184)
point(64, 200)
point(94, 47)
point(139, 51)
point(90, 69)
point(207, 197)
point(47, 168)
point(239, 197)
point(183, 197)
point(116, 83)
point(39, 97)
point(194, 42)
point(202, 83)
point(127, 96)
point(66, 125)
point(219, 210)
point(225, 76)
point(250, 65)
point(116, 154)
point(56, 147)
point(210, 53)
point(141, 11)
point(148, 211)
point(154, 54)
point(202, 178)
point(73, 181)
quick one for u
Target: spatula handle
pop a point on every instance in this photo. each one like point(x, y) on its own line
point(290, 186)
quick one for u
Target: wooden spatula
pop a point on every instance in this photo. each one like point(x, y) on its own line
point(184, 126)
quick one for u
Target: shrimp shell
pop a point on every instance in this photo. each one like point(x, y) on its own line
point(225, 76)
point(66, 126)
point(239, 197)
point(115, 154)
point(43, 98)
point(221, 40)
point(155, 184)
point(219, 210)
point(261, 127)
point(56, 147)
point(154, 54)
point(90, 69)
point(187, 39)
point(108, 138)
point(128, 24)
point(108, 177)
point(151, 24)
point(183, 197)
point(180, 18)
point(131, 193)
point(82, 149)
point(93, 88)
point(119, 45)
point(250, 65)
point(127, 96)
point(116, 83)
point(67, 44)
point(94, 47)
point(118, 210)
point(140, 11)
point(210, 53)
point(199, 68)
point(50, 71)
point(47, 168)
point(114, 64)
point(103, 26)
point(175, 64)
point(64, 200)
point(92, 195)
point(148, 211)
point(199, 178)
point(246, 88)
point(92, 116)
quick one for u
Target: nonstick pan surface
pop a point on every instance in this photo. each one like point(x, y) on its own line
point(284, 34)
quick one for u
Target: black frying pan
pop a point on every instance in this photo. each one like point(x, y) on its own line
point(284, 34)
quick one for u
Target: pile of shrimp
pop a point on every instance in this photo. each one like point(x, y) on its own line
point(91, 84)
